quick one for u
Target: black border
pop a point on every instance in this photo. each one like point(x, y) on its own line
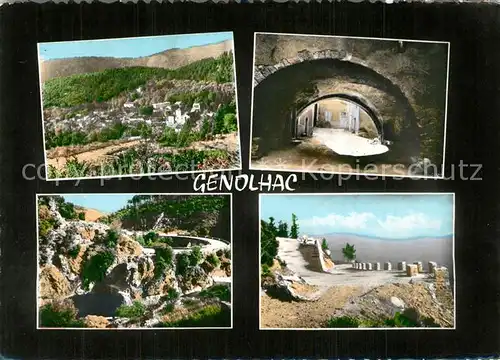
point(472, 137)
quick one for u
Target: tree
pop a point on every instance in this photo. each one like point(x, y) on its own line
point(282, 229)
point(349, 252)
point(268, 243)
point(294, 229)
point(324, 244)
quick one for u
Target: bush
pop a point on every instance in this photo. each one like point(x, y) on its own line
point(95, 268)
point(163, 260)
point(59, 315)
point(209, 316)
point(213, 260)
point(168, 308)
point(196, 256)
point(399, 320)
point(73, 253)
point(172, 294)
point(343, 322)
point(264, 270)
point(221, 292)
point(182, 263)
point(45, 225)
point(140, 240)
point(111, 239)
point(135, 311)
point(67, 210)
point(150, 237)
point(230, 123)
point(81, 216)
point(146, 110)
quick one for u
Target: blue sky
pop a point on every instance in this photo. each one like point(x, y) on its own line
point(128, 48)
point(106, 203)
point(382, 216)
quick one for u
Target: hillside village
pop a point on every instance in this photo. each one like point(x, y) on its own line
point(137, 120)
point(107, 273)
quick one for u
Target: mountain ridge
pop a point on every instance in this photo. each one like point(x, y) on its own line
point(387, 239)
point(168, 59)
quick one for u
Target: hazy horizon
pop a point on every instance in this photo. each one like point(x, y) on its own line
point(425, 249)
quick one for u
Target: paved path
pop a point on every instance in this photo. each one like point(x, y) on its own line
point(346, 143)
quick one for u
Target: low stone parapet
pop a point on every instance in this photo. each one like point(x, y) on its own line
point(412, 270)
point(420, 267)
point(402, 266)
point(432, 266)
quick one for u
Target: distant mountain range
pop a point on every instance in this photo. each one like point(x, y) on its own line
point(168, 59)
point(372, 249)
point(384, 239)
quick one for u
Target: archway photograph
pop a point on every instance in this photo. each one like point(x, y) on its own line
point(357, 261)
point(330, 104)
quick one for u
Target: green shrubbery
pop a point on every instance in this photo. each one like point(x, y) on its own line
point(73, 253)
point(150, 238)
point(195, 256)
point(209, 316)
point(111, 238)
point(146, 110)
point(59, 315)
point(135, 311)
point(45, 225)
point(104, 85)
point(132, 162)
point(399, 320)
point(213, 260)
point(221, 292)
point(81, 216)
point(163, 260)
point(182, 263)
point(95, 268)
point(172, 295)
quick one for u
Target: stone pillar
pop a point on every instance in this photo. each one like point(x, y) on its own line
point(369, 266)
point(432, 266)
point(376, 266)
point(387, 266)
point(402, 266)
point(356, 266)
point(420, 267)
point(412, 270)
point(363, 267)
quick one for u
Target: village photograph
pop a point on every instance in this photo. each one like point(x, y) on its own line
point(331, 104)
point(357, 261)
point(139, 106)
point(121, 261)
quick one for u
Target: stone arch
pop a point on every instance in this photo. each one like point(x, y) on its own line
point(276, 88)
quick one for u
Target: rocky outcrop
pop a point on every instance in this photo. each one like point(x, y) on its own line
point(98, 322)
point(52, 283)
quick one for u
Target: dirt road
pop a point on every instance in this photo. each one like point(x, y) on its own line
point(94, 156)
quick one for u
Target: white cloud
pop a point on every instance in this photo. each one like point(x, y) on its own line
point(409, 222)
point(352, 221)
point(405, 225)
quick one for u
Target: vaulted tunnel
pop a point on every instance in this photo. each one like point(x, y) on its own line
point(284, 93)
